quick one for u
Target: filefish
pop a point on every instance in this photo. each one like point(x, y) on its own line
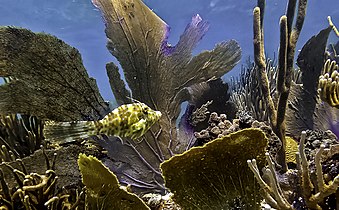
point(128, 120)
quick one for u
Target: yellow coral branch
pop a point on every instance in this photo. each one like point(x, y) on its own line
point(332, 25)
point(329, 84)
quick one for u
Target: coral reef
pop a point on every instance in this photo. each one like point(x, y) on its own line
point(288, 40)
point(219, 127)
point(216, 176)
point(33, 190)
point(46, 80)
point(284, 96)
point(309, 193)
point(215, 94)
point(154, 71)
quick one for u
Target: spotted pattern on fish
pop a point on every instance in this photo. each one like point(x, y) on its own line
point(129, 120)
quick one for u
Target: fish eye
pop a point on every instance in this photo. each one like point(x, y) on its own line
point(145, 111)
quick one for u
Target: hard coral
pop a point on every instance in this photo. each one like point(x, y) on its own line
point(329, 84)
point(35, 191)
point(219, 127)
point(103, 189)
point(310, 188)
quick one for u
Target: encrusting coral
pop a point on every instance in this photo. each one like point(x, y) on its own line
point(219, 127)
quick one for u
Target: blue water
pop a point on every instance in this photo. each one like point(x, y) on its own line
point(79, 24)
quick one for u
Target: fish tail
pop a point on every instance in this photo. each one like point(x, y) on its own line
point(66, 132)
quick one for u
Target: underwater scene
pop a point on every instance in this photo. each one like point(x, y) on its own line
point(169, 105)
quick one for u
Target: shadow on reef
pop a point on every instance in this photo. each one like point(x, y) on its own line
point(266, 141)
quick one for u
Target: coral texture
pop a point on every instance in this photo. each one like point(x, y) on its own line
point(216, 176)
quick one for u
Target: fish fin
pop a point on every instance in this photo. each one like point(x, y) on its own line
point(67, 132)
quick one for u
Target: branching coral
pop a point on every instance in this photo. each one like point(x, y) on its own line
point(288, 40)
point(34, 191)
point(312, 194)
point(304, 110)
point(329, 84)
point(20, 135)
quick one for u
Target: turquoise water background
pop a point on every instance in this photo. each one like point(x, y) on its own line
point(79, 24)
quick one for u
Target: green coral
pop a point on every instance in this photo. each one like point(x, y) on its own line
point(103, 189)
point(216, 175)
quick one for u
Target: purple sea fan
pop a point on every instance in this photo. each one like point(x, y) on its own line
point(334, 127)
point(194, 32)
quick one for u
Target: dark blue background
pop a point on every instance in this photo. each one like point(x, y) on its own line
point(79, 24)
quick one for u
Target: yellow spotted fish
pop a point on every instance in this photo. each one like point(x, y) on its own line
point(128, 120)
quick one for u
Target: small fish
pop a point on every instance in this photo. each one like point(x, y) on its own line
point(128, 120)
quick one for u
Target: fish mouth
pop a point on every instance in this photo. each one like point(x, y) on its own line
point(158, 114)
